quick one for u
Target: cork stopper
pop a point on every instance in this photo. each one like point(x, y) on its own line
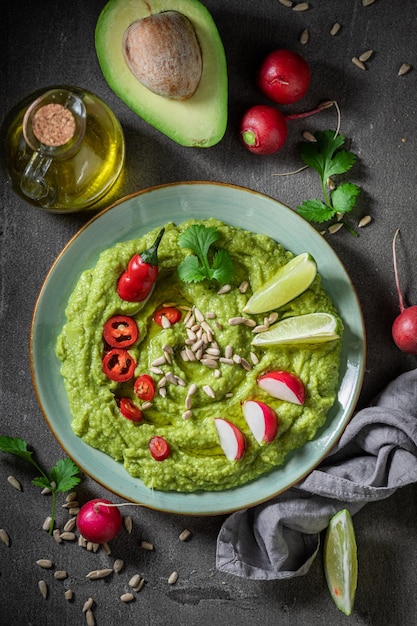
point(53, 125)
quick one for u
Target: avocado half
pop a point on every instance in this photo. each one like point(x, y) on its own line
point(199, 121)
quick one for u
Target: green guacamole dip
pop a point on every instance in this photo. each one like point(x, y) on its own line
point(196, 461)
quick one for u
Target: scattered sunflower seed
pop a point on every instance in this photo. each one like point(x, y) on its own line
point(43, 588)
point(404, 69)
point(70, 525)
point(89, 618)
point(4, 537)
point(224, 289)
point(335, 29)
point(286, 3)
point(47, 523)
point(128, 523)
point(134, 581)
point(71, 496)
point(118, 565)
point(60, 574)
point(365, 56)
point(44, 563)
point(139, 586)
point(367, 3)
point(146, 545)
point(243, 287)
point(95, 574)
point(209, 391)
point(68, 594)
point(187, 414)
point(302, 6)
point(88, 604)
point(309, 136)
point(106, 548)
point(334, 228)
point(367, 219)
point(67, 536)
point(360, 64)
point(57, 535)
point(14, 483)
point(304, 36)
point(127, 597)
point(186, 534)
point(173, 578)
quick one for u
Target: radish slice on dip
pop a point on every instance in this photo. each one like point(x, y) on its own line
point(261, 419)
point(231, 439)
point(284, 386)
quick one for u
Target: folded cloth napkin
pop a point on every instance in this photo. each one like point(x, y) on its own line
point(376, 455)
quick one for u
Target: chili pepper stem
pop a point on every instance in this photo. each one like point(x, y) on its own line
point(150, 256)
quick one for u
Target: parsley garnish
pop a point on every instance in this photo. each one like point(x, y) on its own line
point(203, 265)
point(62, 476)
point(326, 157)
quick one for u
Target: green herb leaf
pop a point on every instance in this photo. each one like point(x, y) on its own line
point(205, 264)
point(18, 447)
point(64, 474)
point(326, 157)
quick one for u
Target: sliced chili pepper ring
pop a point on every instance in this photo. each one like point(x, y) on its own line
point(159, 448)
point(171, 313)
point(120, 331)
point(130, 410)
point(144, 387)
point(118, 365)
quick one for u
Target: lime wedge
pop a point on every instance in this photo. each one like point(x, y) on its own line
point(309, 328)
point(289, 282)
point(341, 561)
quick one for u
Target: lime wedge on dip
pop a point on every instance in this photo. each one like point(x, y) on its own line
point(309, 328)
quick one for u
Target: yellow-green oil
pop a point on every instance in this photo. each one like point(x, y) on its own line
point(84, 178)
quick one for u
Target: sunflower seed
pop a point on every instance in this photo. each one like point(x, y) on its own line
point(367, 3)
point(198, 315)
point(57, 535)
point(226, 361)
point(44, 563)
point(47, 523)
point(304, 36)
point(4, 537)
point(360, 64)
point(46, 491)
point(192, 389)
point(159, 361)
point(335, 29)
point(261, 328)
point(211, 363)
point(71, 505)
point(404, 69)
point(235, 321)
point(60, 574)
point(134, 581)
point(365, 56)
point(70, 525)
point(173, 578)
point(187, 414)
point(286, 3)
point(186, 534)
point(43, 588)
point(67, 536)
point(106, 548)
point(249, 322)
point(209, 391)
point(303, 6)
point(89, 618)
point(146, 545)
point(309, 136)
point(128, 523)
point(237, 358)
point(139, 586)
point(82, 542)
point(224, 289)
point(245, 364)
point(334, 228)
point(254, 358)
point(156, 370)
point(95, 574)
point(88, 604)
point(367, 219)
point(71, 496)
point(127, 597)
point(68, 594)
point(14, 483)
point(163, 392)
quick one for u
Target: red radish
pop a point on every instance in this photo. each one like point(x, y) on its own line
point(284, 76)
point(404, 328)
point(261, 419)
point(284, 386)
point(97, 522)
point(263, 129)
point(232, 440)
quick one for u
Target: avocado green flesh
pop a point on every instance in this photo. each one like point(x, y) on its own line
point(199, 121)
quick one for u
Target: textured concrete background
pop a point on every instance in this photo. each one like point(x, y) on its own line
point(45, 43)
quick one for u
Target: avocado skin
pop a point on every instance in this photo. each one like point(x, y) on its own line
point(201, 120)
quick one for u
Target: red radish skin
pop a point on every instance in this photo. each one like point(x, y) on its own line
point(284, 76)
point(404, 328)
point(284, 386)
point(261, 419)
point(97, 522)
point(231, 439)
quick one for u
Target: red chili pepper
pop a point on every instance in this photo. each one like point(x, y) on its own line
point(130, 410)
point(172, 314)
point(136, 282)
point(120, 331)
point(144, 387)
point(118, 365)
point(159, 448)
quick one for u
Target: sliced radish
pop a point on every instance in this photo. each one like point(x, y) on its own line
point(284, 386)
point(261, 419)
point(231, 439)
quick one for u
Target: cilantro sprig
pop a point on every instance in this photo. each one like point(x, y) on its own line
point(205, 264)
point(61, 477)
point(326, 157)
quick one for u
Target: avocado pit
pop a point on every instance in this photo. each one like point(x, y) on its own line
point(163, 53)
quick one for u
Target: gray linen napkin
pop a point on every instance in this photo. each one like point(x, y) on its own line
point(376, 455)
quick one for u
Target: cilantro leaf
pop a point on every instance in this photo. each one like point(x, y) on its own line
point(62, 477)
point(315, 211)
point(326, 157)
point(203, 265)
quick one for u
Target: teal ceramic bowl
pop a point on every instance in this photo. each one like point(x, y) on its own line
point(134, 216)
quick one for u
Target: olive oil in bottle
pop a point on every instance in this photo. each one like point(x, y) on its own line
point(64, 149)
